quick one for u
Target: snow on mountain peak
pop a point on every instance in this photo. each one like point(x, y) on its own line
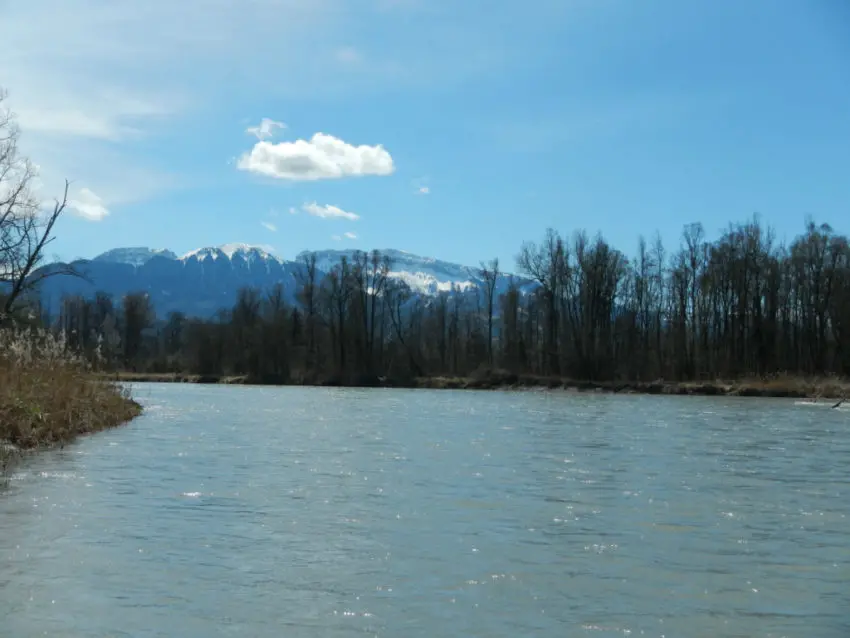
point(242, 249)
point(424, 275)
point(246, 251)
point(134, 255)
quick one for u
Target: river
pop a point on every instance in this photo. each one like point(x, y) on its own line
point(268, 512)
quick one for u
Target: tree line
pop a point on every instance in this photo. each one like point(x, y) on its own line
point(741, 305)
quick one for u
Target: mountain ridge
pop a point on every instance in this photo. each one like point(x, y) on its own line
point(205, 280)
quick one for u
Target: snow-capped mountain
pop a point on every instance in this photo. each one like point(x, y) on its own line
point(424, 275)
point(139, 256)
point(134, 256)
point(245, 252)
point(204, 281)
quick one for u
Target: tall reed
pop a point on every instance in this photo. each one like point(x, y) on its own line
point(50, 395)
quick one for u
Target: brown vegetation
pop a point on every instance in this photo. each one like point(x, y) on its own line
point(778, 386)
point(48, 396)
point(791, 387)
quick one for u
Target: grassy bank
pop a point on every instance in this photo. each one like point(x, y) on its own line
point(50, 397)
point(775, 386)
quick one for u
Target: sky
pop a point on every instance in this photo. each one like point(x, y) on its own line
point(454, 129)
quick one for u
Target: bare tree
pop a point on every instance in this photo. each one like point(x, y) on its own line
point(308, 279)
point(399, 297)
point(548, 264)
point(334, 294)
point(25, 229)
point(138, 315)
point(490, 275)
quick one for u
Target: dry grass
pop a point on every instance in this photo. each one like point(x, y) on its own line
point(170, 377)
point(49, 396)
point(790, 385)
point(149, 377)
point(773, 386)
point(781, 385)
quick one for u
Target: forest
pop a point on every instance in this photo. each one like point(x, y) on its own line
point(742, 305)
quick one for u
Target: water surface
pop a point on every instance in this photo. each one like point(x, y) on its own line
point(237, 511)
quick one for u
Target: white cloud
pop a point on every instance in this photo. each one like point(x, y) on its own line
point(102, 71)
point(269, 226)
point(265, 129)
point(350, 235)
point(423, 190)
point(293, 210)
point(328, 212)
point(86, 99)
point(104, 168)
point(322, 157)
point(113, 81)
point(86, 77)
point(88, 205)
point(75, 120)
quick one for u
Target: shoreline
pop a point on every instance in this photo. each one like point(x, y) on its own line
point(11, 453)
point(780, 387)
point(47, 407)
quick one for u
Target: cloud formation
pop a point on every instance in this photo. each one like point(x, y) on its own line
point(107, 116)
point(88, 205)
point(350, 235)
point(84, 114)
point(328, 212)
point(321, 157)
point(423, 190)
point(265, 129)
point(269, 226)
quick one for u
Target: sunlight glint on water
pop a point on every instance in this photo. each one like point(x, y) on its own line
point(229, 511)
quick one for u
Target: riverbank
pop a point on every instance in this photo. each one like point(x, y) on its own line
point(48, 399)
point(778, 386)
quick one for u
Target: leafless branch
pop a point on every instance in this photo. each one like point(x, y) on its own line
point(25, 230)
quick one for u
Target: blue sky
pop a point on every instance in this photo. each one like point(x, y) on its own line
point(448, 128)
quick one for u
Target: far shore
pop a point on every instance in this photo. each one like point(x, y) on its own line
point(777, 387)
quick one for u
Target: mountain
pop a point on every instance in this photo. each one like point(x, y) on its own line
point(424, 275)
point(133, 256)
point(203, 281)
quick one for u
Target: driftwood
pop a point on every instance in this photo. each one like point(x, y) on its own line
point(839, 403)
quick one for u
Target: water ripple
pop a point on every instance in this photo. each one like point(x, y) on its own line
point(303, 512)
